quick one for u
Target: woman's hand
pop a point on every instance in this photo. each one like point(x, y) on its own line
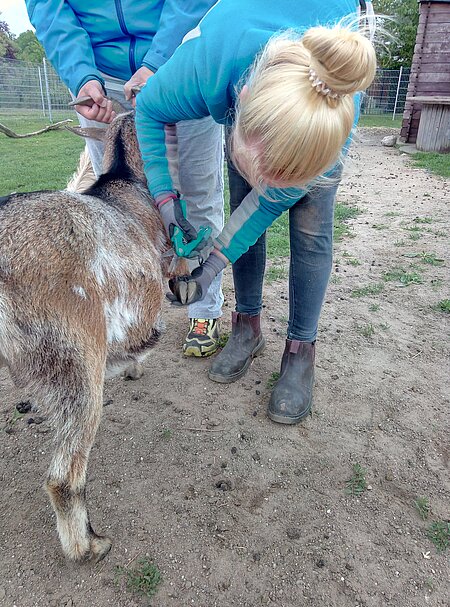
point(101, 109)
point(192, 288)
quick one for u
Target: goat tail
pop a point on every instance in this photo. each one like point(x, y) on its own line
point(84, 176)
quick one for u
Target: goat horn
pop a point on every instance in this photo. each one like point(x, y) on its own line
point(93, 132)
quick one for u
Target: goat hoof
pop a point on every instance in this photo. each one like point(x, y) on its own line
point(134, 371)
point(100, 546)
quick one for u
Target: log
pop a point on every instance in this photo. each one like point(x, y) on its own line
point(51, 127)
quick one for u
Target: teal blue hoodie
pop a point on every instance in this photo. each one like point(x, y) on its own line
point(202, 79)
point(83, 38)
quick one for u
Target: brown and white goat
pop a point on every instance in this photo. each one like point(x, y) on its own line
point(81, 290)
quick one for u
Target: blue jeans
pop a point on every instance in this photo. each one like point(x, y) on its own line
point(311, 241)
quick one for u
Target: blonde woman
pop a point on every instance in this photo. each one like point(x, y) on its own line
point(286, 89)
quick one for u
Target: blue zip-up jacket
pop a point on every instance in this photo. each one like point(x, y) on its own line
point(83, 38)
point(203, 78)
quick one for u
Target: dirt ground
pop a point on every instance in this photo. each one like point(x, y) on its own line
point(237, 511)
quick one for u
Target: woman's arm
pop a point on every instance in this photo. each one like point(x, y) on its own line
point(66, 43)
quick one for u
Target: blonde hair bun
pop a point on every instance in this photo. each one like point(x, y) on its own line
point(342, 58)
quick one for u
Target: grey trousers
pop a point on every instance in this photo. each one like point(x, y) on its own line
point(195, 154)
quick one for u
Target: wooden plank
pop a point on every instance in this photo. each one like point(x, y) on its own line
point(431, 47)
point(443, 17)
point(430, 99)
point(432, 36)
point(435, 28)
point(434, 129)
point(439, 89)
point(425, 76)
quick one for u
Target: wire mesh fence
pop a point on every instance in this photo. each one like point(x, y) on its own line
point(31, 86)
point(387, 93)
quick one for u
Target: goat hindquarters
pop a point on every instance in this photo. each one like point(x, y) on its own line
point(64, 371)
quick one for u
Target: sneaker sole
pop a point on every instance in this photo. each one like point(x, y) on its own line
point(229, 379)
point(194, 351)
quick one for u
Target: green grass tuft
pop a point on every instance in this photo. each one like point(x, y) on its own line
point(439, 534)
point(443, 306)
point(422, 505)
point(143, 579)
point(374, 289)
point(403, 277)
point(273, 379)
point(357, 484)
point(436, 163)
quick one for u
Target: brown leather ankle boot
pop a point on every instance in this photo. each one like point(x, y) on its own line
point(245, 342)
point(291, 398)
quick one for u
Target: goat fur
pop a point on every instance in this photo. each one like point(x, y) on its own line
point(81, 291)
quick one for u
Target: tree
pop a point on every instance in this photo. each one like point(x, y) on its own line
point(398, 47)
point(8, 48)
point(29, 47)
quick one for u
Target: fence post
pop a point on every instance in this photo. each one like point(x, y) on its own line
point(398, 90)
point(40, 88)
point(47, 89)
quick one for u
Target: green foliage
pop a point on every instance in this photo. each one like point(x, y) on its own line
point(29, 47)
point(444, 306)
point(402, 276)
point(357, 483)
point(368, 290)
point(439, 534)
point(400, 32)
point(144, 579)
point(422, 505)
point(366, 330)
point(273, 379)
point(8, 47)
point(433, 162)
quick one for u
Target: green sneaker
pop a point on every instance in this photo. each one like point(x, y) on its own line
point(203, 337)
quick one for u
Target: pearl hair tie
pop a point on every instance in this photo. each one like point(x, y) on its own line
point(321, 87)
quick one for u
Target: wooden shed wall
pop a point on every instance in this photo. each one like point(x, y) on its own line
point(430, 70)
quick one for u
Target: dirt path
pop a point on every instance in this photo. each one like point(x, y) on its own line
point(237, 511)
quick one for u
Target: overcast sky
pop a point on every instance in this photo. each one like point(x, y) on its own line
point(14, 13)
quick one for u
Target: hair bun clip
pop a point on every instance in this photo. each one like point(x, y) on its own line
point(321, 87)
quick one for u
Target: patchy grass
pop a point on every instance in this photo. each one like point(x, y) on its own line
point(393, 214)
point(374, 289)
point(433, 162)
point(423, 220)
point(403, 277)
point(43, 162)
point(380, 121)
point(428, 258)
point(276, 273)
point(349, 260)
point(273, 379)
point(374, 307)
point(223, 339)
point(357, 483)
point(443, 306)
point(144, 579)
point(422, 505)
point(166, 433)
point(342, 213)
point(439, 534)
point(366, 330)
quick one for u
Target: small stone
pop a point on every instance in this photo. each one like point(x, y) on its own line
point(256, 457)
point(293, 534)
point(2, 593)
point(389, 141)
point(257, 392)
point(257, 382)
point(35, 420)
point(389, 476)
point(256, 556)
point(349, 567)
point(320, 563)
point(108, 402)
point(233, 450)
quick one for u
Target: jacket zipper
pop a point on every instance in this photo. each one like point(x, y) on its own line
point(124, 29)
